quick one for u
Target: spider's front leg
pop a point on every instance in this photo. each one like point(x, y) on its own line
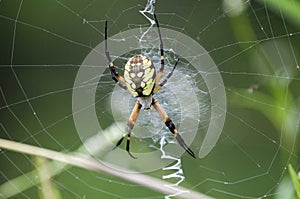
point(162, 57)
point(157, 88)
point(171, 126)
point(130, 124)
point(114, 74)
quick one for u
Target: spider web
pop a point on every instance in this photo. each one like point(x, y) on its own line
point(253, 43)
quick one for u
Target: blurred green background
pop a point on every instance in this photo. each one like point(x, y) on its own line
point(255, 45)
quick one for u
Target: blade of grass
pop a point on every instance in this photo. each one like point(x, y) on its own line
point(86, 162)
point(48, 189)
point(295, 180)
point(289, 8)
point(93, 145)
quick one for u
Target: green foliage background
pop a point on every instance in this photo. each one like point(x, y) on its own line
point(45, 42)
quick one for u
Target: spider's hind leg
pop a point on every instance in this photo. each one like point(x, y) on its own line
point(119, 142)
point(127, 144)
point(130, 125)
point(172, 128)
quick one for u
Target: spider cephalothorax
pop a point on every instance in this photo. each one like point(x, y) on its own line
point(141, 81)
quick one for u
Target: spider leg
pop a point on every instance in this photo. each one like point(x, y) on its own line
point(165, 80)
point(171, 126)
point(162, 57)
point(114, 74)
point(130, 124)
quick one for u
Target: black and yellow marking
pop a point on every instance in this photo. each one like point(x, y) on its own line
point(162, 60)
point(139, 75)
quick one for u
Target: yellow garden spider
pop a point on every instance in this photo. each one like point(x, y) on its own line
point(140, 80)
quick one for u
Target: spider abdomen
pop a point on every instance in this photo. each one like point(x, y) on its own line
point(139, 75)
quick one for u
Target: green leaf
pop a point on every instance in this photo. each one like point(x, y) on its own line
point(295, 180)
point(288, 8)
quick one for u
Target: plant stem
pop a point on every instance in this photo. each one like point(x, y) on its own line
point(84, 161)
